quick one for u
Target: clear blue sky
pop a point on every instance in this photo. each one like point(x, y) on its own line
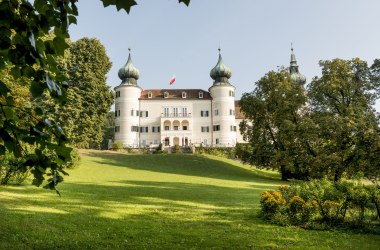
point(168, 38)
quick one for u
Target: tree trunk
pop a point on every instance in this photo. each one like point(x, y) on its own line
point(285, 174)
point(337, 175)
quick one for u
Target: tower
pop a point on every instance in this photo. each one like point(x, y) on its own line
point(293, 70)
point(127, 106)
point(222, 106)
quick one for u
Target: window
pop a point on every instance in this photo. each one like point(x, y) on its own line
point(143, 113)
point(166, 112)
point(232, 112)
point(117, 94)
point(184, 128)
point(143, 129)
point(166, 94)
point(232, 93)
point(200, 94)
point(175, 112)
point(216, 127)
point(205, 129)
point(175, 127)
point(117, 128)
point(133, 112)
point(217, 141)
point(233, 128)
point(150, 94)
point(204, 113)
point(216, 112)
point(135, 128)
point(155, 129)
point(205, 141)
point(184, 112)
point(184, 94)
point(167, 128)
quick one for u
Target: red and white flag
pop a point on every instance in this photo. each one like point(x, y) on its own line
point(172, 80)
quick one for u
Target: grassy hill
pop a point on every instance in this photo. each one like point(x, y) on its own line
point(174, 201)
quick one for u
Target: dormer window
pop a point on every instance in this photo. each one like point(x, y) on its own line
point(200, 94)
point(183, 94)
point(150, 94)
point(166, 94)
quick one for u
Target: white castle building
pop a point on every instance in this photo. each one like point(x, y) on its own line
point(178, 116)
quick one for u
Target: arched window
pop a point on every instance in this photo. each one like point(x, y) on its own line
point(200, 94)
point(183, 94)
point(150, 94)
point(166, 94)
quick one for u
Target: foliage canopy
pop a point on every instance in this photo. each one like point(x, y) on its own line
point(32, 36)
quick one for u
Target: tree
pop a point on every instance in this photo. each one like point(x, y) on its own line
point(109, 129)
point(273, 124)
point(89, 99)
point(26, 52)
point(341, 101)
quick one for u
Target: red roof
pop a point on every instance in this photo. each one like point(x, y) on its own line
point(238, 113)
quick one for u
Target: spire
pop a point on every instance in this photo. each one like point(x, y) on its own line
point(293, 61)
point(221, 72)
point(129, 73)
point(293, 69)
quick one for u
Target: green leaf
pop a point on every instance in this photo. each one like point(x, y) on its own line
point(187, 2)
point(120, 4)
point(4, 89)
point(72, 20)
point(36, 88)
point(53, 87)
point(2, 150)
point(60, 45)
point(39, 5)
point(5, 135)
point(10, 101)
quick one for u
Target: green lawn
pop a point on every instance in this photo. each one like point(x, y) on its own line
point(174, 201)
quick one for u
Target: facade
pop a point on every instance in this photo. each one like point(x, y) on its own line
point(181, 117)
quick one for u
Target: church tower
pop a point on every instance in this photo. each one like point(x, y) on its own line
point(222, 106)
point(293, 70)
point(127, 117)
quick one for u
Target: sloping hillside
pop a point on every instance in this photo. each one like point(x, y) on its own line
point(174, 201)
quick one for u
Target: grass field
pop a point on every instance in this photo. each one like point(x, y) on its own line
point(174, 201)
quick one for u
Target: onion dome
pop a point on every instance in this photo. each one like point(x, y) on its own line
point(129, 73)
point(220, 73)
point(293, 70)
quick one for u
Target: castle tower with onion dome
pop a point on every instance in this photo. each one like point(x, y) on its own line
point(181, 117)
point(222, 106)
point(293, 70)
point(127, 105)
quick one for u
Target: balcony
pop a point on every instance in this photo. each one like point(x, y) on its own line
point(175, 115)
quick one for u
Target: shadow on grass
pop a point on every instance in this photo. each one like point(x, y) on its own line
point(156, 215)
point(150, 214)
point(184, 164)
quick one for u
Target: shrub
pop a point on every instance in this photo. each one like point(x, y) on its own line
point(272, 202)
point(227, 152)
point(12, 170)
point(117, 145)
point(75, 159)
point(322, 203)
